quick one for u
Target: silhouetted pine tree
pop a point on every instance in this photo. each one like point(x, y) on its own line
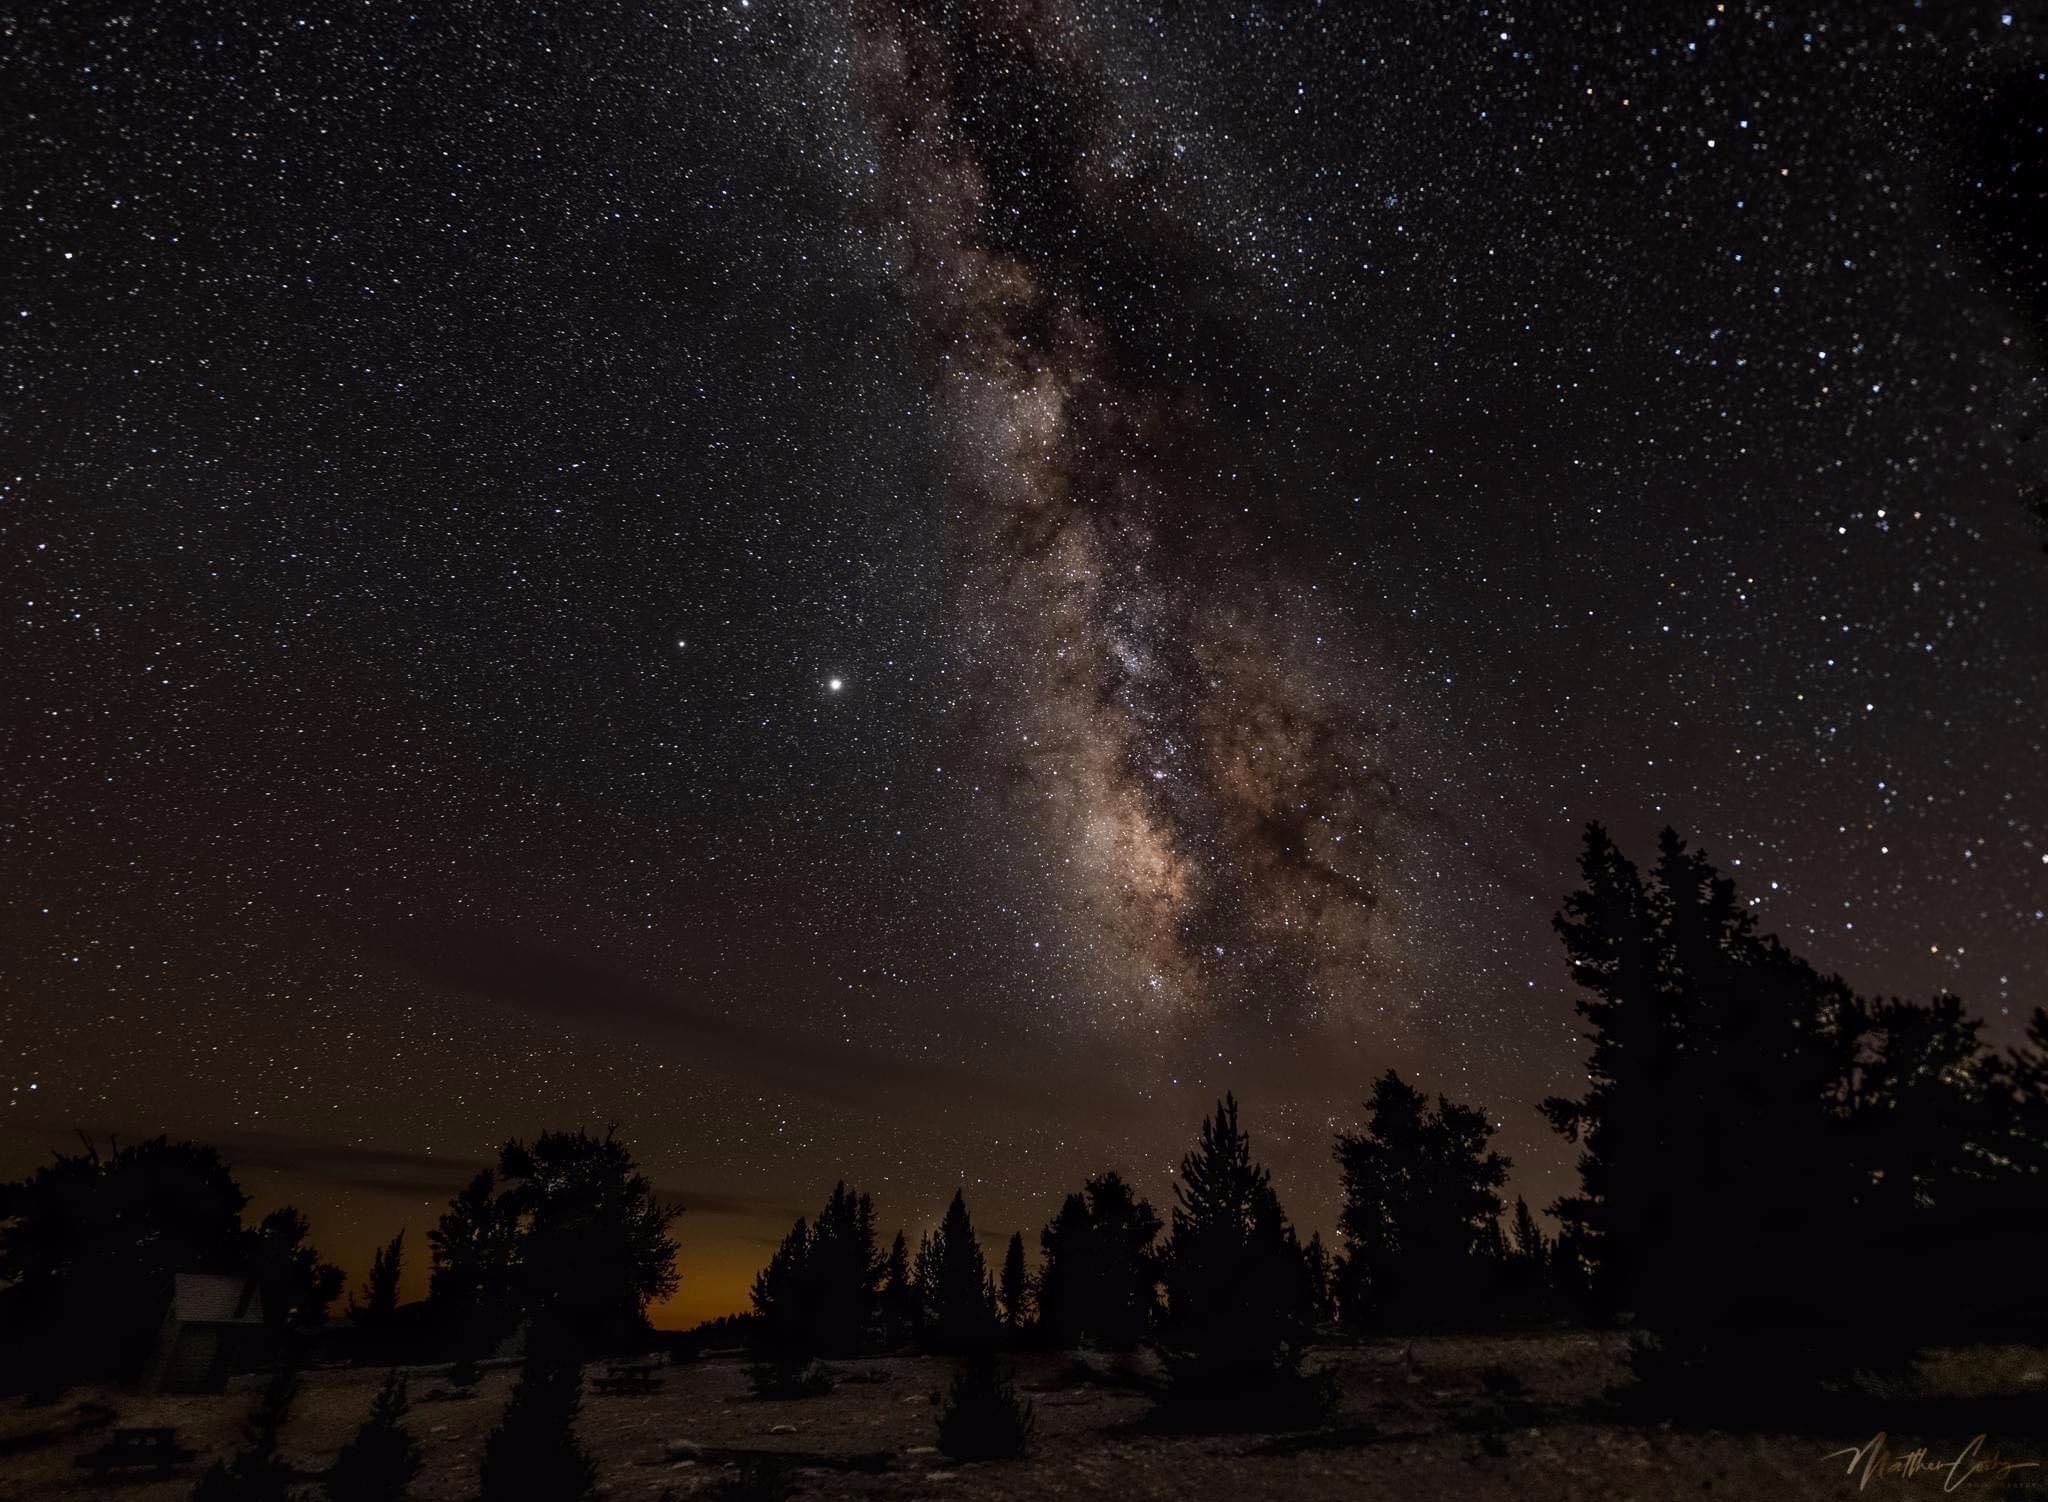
point(1016, 1287)
point(899, 1297)
point(1234, 1286)
point(1526, 1268)
point(1531, 1246)
point(380, 1291)
point(1421, 1218)
point(2018, 1080)
point(963, 1312)
point(380, 1461)
point(1319, 1281)
point(1623, 1210)
point(1098, 1275)
point(846, 1272)
point(1765, 1050)
point(298, 1284)
point(534, 1454)
point(2025, 1074)
point(471, 1289)
point(817, 1295)
point(778, 1294)
point(1954, 1201)
point(1715, 1055)
point(2017, 1286)
point(1767, 1158)
point(784, 1335)
point(924, 1286)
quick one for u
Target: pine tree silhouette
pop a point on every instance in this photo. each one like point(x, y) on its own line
point(1526, 1269)
point(924, 1287)
point(472, 1289)
point(1015, 1292)
point(778, 1294)
point(784, 1335)
point(379, 1462)
point(1531, 1246)
point(1319, 1281)
point(380, 1292)
point(1622, 1212)
point(846, 1273)
point(899, 1297)
point(1767, 1157)
point(1421, 1216)
point(818, 1295)
point(1234, 1287)
point(2014, 1290)
point(963, 1312)
point(298, 1284)
point(1099, 1277)
point(534, 1454)
point(1948, 1139)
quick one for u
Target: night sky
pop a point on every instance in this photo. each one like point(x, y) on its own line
point(909, 591)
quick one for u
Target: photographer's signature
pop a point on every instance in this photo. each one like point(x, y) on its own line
point(1877, 1459)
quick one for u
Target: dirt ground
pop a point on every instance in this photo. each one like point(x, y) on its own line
point(1433, 1419)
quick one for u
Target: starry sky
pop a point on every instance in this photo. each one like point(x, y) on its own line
point(909, 590)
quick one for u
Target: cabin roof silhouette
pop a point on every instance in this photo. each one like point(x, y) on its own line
point(214, 1325)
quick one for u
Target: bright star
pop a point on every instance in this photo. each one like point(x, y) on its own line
point(834, 684)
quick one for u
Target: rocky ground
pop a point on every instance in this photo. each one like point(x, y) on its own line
point(1432, 1419)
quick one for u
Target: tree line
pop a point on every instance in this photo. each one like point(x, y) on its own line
point(1778, 1178)
point(1783, 1184)
point(565, 1228)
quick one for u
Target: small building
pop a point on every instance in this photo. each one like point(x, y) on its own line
point(213, 1328)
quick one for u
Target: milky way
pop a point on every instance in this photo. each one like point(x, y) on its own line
point(1155, 674)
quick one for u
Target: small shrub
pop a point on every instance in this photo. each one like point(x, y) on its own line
point(984, 1417)
point(464, 1372)
point(788, 1377)
point(380, 1462)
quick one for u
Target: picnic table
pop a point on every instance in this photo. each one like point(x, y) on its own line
point(137, 1449)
